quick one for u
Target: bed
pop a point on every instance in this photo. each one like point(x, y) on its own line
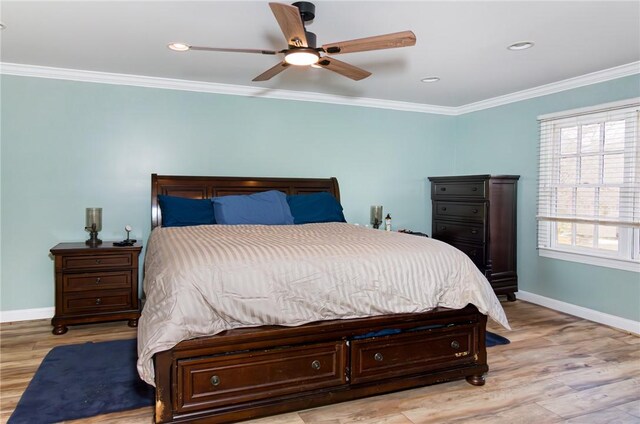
point(212, 364)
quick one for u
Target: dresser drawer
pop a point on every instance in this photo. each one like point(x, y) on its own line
point(248, 376)
point(96, 301)
point(96, 281)
point(96, 261)
point(465, 211)
point(447, 230)
point(405, 354)
point(476, 252)
point(469, 189)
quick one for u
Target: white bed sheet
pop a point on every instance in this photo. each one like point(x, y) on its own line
point(202, 280)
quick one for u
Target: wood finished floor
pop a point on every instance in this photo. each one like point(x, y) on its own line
point(557, 369)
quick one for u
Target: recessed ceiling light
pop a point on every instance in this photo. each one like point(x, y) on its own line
point(430, 79)
point(179, 47)
point(521, 45)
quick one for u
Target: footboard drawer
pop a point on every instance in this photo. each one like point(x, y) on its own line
point(412, 352)
point(247, 376)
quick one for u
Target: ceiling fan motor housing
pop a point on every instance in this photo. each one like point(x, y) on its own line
point(307, 10)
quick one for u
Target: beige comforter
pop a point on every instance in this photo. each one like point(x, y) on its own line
point(205, 279)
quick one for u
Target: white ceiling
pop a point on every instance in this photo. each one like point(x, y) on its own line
point(462, 42)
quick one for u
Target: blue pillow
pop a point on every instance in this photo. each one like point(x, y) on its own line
point(265, 208)
point(181, 211)
point(315, 207)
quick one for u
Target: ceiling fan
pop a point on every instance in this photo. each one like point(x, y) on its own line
point(302, 50)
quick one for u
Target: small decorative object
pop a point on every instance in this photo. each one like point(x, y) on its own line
point(387, 223)
point(93, 225)
point(376, 216)
point(128, 241)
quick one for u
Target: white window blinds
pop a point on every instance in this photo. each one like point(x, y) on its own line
point(589, 179)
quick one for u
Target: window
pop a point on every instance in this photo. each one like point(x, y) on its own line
point(589, 185)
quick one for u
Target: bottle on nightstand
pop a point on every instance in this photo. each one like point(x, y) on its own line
point(387, 223)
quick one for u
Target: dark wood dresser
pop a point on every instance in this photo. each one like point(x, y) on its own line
point(95, 284)
point(477, 214)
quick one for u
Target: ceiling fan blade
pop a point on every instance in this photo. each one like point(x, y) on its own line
point(290, 22)
point(216, 49)
point(379, 42)
point(343, 68)
point(272, 72)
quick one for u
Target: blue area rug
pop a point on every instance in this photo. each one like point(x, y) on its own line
point(84, 380)
point(493, 339)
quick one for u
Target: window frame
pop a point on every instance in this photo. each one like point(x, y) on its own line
point(627, 255)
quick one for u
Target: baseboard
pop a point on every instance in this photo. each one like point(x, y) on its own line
point(582, 312)
point(26, 314)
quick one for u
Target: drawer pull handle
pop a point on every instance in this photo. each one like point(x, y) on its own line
point(444, 209)
point(455, 344)
point(443, 228)
point(378, 357)
point(98, 301)
point(215, 380)
point(472, 253)
point(98, 261)
point(474, 231)
point(443, 189)
point(98, 280)
point(474, 189)
point(474, 210)
point(315, 365)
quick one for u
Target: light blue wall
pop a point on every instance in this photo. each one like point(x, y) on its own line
point(70, 145)
point(504, 140)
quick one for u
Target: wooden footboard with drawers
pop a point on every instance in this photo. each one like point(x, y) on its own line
point(248, 373)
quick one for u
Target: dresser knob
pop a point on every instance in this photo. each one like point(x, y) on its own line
point(98, 261)
point(315, 365)
point(443, 189)
point(378, 357)
point(474, 210)
point(98, 301)
point(443, 228)
point(98, 280)
point(444, 209)
point(215, 380)
point(455, 344)
point(472, 253)
point(474, 231)
point(474, 189)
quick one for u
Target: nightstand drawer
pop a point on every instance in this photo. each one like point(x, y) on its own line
point(102, 300)
point(447, 230)
point(96, 281)
point(467, 211)
point(95, 261)
point(404, 354)
point(473, 189)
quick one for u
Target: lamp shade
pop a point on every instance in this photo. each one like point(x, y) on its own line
point(376, 215)
point(94, 216)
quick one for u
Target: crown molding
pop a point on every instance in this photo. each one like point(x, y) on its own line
point(240, 90)
point(209, 87)
point(555, 87)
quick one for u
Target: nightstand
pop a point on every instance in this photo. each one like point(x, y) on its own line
point(95, 284)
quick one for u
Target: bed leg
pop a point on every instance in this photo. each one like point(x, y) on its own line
point(476, 380)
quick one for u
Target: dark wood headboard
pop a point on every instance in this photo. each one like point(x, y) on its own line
point(195, 187)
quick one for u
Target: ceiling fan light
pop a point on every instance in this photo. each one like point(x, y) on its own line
point(179, 47)
point(302, 57)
